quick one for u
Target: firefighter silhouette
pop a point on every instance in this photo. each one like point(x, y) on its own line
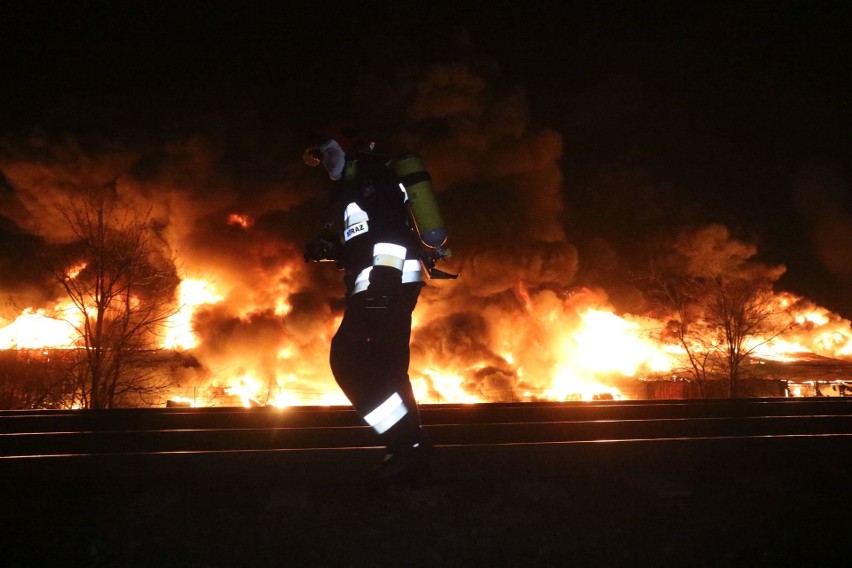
point(381, 254)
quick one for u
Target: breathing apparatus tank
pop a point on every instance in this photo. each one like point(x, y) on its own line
point(422, 202)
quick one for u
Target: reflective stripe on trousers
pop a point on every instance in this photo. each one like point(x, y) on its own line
point(369, 359)
point(388, 413)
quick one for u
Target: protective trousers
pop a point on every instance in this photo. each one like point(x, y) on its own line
point(369, 359)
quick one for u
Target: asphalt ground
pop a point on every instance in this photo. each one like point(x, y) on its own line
point(734, 499)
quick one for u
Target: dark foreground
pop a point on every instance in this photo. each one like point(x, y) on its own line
point(751, 501)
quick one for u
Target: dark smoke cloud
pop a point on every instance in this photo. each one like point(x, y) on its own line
point(491, 270)
point(21, 269)
point(824, 200)
point(45, 171)
point(499, 183)
point(712, 249)
point(708, 251)
point(501, 191)
point(498, 179)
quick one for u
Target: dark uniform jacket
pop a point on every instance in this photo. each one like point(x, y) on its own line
point(380, 251)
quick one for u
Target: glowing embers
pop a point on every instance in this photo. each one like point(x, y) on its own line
point(247, 389)
point(443, 386)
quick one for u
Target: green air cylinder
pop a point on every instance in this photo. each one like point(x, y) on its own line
point(424, 207)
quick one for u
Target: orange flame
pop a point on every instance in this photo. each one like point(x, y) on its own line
point(556, 349)
point(191, 294)
point(39, 329)
point(240, 219)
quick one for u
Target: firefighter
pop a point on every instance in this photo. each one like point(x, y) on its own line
point(379, 254)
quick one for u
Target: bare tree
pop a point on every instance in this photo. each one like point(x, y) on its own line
point(719, 306)
point(745, 315)
point(676, 299)
point(719, 321)
point(121, 282)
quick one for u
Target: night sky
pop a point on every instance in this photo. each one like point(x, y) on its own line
point(670, 113)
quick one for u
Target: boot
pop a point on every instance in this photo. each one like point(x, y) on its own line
point(405, 465)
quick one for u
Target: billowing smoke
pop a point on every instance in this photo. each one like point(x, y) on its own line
point(236, 215)
point(824, 200)
point(500, 189)
point(712, 249)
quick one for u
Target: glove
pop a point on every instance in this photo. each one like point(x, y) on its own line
point(320, 249)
